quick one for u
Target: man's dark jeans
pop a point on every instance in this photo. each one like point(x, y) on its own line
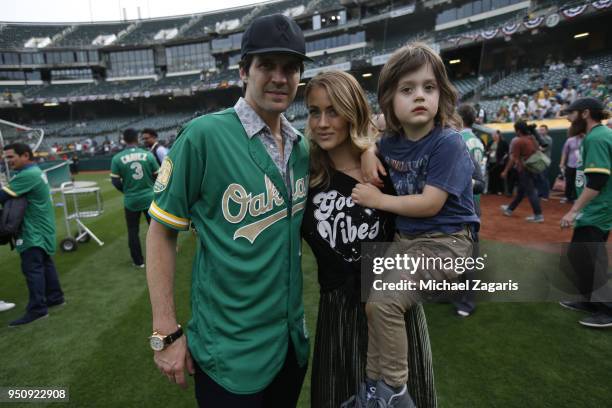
point(43, 282)
point(132, 219)
point(527, 188)
point(588, 257)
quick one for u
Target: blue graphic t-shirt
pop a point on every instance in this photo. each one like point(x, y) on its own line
point(441, 160)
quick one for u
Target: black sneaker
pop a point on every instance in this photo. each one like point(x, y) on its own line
point(387, 397)
point(598, 320)
point(578, 306)
point(25, 319)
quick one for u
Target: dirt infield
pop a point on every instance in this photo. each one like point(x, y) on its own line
point(496, 226)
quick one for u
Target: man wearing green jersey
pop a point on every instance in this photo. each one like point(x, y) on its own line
point(473, 143)
point(240, 176)
point(465, 306)
point(133, 172)
point(36, 241)
point(591, 214)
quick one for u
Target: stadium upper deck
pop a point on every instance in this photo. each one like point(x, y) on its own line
point(62, 63)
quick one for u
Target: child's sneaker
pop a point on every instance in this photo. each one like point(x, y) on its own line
point(365, 393)
point(386, 397)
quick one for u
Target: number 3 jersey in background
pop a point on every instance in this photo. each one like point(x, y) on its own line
point(137, 169)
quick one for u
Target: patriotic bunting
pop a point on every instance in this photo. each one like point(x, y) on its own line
point(488, 34)
point(574, 11)
point(534, 22)
point(602, 4)
point(510, 28)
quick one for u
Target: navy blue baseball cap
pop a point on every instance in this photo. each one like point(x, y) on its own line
point(274, 33)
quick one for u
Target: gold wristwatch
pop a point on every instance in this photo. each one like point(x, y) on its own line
point(160, 341)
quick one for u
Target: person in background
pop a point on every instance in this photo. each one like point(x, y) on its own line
point(150, 139)
point(133, 173)
point(568, 164)
point(74, 166)
point(36, 241)
point(515, 114)
point(584, 86)
point(545, 93)
point(497, 152)
point(481, 114)
point(591, 214)
point(542, 182)
point(466, 305)
point(522, 148)
point(502, 114)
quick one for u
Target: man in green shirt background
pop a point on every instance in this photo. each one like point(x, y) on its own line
point(465, 306)
point(36, 241)
point(240, 176)
point(591, 213)
point(133, 172)
point(542, 181)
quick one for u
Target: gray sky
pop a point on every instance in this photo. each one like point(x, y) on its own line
point(105, 10)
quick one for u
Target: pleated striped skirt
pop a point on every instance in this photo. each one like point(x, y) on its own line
point(340, 351)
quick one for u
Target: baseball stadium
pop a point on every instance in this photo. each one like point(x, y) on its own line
point(90, 101)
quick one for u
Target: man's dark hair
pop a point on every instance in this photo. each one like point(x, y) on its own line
point(150, 132)
point(599, 115)
point(545, 127)
point(20, 149)
point(468, 114)
point(245, 63)
point(130, 136)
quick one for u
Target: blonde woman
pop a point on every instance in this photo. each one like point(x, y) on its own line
point(334, 227)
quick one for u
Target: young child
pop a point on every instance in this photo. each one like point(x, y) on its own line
point(431, 170)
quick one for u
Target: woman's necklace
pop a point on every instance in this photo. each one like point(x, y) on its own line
point(349, 168)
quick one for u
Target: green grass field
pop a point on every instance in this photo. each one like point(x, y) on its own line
point(506, 355)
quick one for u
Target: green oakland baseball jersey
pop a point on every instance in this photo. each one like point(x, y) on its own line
point(596, 157)
point(137, 168)
point(476, 149)
point(38, 228)
point(246, 279)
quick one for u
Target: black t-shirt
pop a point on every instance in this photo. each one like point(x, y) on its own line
point(335, 227)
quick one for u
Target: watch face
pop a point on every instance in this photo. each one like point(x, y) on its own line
point(157, 344)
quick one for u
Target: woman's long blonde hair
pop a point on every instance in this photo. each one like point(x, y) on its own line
point(349, 101)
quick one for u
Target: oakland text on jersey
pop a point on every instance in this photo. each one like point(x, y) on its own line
point(257, 205)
